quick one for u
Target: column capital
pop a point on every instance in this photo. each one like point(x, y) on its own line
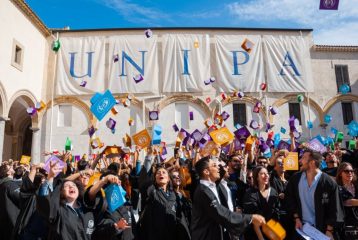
point(34, 129)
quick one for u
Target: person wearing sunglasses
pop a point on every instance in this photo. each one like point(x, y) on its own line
point(348, 189)
point(332, 164)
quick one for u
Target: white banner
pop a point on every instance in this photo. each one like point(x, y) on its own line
point(131, 64)
point(186, 62)
point(288, 64)
point(81, 59)
point(236, 68)
point(137, 57)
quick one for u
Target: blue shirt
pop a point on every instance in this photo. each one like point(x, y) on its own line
point(307, 198)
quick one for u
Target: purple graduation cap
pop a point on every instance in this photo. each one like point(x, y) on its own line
point(204, 139)
point(148, 33)
point(212, 79)
point(273, 110)
point(31, 111)
point(242, 133)
point(293, 123)
point(111, 123)
point(207, 81)
point(77, 158)
point(268, 126)
point(237, 144)
point(225, 115)
point(270, 142)
point(296, 134)
point(52, 159)
point(138, 78)
point(115, 58)
point(184, 133)
point(83, 83)
point(91, 131)
point(254, 124)
point(264, 148)
point(329, 4)
point(197, 135)
point(283, 145)
point(316, 145)
point(191, 116)
point(186, 140)
point(153, 115)
point(175, 127)
point(257, 107)
point(241, 95)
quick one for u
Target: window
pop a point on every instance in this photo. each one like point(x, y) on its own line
point(295, 110)
point(17, 55)
point(347, 111)
point(342, 76)
point(64, 116)
point(182, 115)
point(239, 110)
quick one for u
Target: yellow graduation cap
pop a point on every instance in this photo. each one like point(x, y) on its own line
point(222, 136)
point(273, 230)
point(142, 138)
point(127, 140)
point(291, 161)
point(25, 160)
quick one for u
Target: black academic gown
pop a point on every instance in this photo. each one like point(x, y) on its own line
point(9, 206)
point(66, 223)
point(209, 217)
point(255, 203)
point(328, 204)
point(29, 224)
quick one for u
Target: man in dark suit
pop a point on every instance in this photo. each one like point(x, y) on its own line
point(209, 216)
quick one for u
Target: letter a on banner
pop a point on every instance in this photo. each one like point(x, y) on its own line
point(288, 62)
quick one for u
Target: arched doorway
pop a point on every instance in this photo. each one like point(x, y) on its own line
point(18, 129)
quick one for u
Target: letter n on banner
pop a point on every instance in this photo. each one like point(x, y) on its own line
point(125, 56)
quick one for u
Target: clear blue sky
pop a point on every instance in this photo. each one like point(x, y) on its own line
point(330, 27)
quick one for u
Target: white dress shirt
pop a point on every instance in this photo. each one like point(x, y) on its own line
point(212, 187)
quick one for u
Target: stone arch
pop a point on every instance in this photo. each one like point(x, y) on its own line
point(245, 99)
point(30, 99)
point(293, 97)
point(337, 99)
point(184, 98)
point(73, 101)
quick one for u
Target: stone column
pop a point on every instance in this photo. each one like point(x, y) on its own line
point(35, 147)
point(2, 136)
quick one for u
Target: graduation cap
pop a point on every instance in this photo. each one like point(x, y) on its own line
point(240, 94)
point(153, 115)
point(138, 78)
point(115, 58)
point(257, 107)
point(111, 123)
point(197, 135)
point(115, 110)
point(263, 86)
point(254, 124)
point(142, 138)
point(283, 130)
point(191, 116)
point(175, 127)
point(31, 111)
point(131, 122)
point(208, 100)
point(268, 126)
point(316, 145)
point(68, 144)
point(247, 45)
point(40, 106)
point(242, 133)
point(218, 119)
point(300, 98)
point(283, 145)
point(294, 123)
point(148, 33)
point(25, 160)
point(112, 151)
point(309, 124)
point(273, 110)
point(83, 83)
point(91, 131)
point(115, 196)
point(208, 123)
point(206, 137)
point(54, 159)
point(344, 89)
point(102, 104)
point(327, 118)
point(225, 115)
point(196, 44)
point(56, 45)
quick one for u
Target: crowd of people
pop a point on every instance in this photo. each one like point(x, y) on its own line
point(226, 195)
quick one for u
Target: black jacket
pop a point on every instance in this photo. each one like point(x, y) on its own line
point(9, 206)
point(209, 217)
point(66, 223)
point(328, 204)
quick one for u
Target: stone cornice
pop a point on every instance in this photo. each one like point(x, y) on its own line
point(332, 48)
point(25, 8)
